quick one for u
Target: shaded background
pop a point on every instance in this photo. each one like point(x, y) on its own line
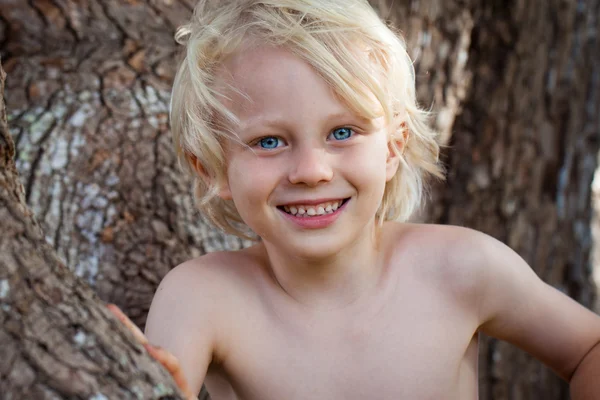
point(515, 87)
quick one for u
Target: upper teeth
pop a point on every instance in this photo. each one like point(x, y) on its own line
point(318, 209)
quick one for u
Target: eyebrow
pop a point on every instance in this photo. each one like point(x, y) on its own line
point(277, 122)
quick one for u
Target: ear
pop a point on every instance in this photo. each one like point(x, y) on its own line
point(199, 169)
point(225, 191)
point(196, 165)
point(396, 146)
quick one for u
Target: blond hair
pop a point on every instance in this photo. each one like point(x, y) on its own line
point(346, 43)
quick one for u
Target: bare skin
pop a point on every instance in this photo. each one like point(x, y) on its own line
point(392, 342)
point(412, 335)
point(167, 359)
point(345, 309)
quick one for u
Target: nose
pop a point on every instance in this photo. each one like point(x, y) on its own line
point(310, 166)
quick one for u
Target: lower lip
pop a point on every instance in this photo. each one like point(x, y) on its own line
point(318, 221)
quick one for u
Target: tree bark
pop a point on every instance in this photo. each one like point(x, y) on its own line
point(523, 155)
point(57, 340)
point(88, 94)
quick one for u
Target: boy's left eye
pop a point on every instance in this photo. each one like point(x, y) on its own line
point(341, 133)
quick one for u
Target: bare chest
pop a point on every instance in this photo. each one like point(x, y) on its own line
point(416, 350)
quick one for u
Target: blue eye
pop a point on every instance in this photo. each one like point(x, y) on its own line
point(269, 142)
point(342, 133)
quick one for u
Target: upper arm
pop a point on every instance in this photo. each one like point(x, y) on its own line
point(182, 320)
point(518, 307)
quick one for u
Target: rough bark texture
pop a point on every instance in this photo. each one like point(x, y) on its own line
point(57, 340)
point(523, 155)
point(513, 85)
point(88, 94)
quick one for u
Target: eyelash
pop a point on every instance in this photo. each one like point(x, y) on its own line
point(258, 141)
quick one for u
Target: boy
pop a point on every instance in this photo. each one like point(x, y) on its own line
point(299, 120)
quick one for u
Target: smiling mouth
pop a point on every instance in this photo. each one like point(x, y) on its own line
point(313, 210)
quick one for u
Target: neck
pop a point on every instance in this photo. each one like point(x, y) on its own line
point(337, 280)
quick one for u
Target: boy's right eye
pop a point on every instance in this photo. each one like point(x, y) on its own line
point(269, 142)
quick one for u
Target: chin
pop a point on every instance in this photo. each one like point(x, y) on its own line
point(315, 247)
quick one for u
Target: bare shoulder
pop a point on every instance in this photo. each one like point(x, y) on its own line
point(190, 309)
point(466, 266)
point(510, 301)
point(442, 237)
point(208, 276)
point(451, 255)
point(207, 272)
point(203, 287)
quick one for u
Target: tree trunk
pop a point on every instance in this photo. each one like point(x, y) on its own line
point(512, 85)
point(523, 155)
point(57, 340)
point(88, 92)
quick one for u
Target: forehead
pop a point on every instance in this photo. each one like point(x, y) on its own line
point(267, 79)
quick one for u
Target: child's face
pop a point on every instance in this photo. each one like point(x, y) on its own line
point(307, 151)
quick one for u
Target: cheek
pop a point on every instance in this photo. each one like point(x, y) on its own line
point(241, 178)
point(250, 183)
point(368, 171)
point(368, 163)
